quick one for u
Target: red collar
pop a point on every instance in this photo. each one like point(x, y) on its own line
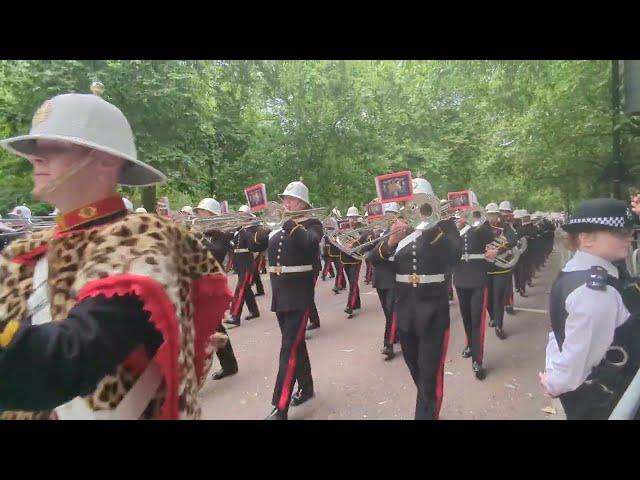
point(89, 213)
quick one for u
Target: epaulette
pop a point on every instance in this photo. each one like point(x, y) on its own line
point(597, 278)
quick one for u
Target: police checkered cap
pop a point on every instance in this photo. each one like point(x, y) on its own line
point(600, 212)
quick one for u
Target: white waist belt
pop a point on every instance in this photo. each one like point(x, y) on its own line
point(416, 279)
point(241, 250)
point(292, 269)
point(473, 256)
point(131, 407)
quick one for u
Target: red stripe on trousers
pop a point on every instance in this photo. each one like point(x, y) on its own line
point(440, 379)
point(285, 393)
point(356, 288)
point(393, 329)
point(339, 278)
point(240, 300)
point(483, 319)
point(325, 271)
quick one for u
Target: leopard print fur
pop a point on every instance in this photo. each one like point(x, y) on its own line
point(141, 244)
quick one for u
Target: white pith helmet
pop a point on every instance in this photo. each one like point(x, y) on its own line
point(506, 206)
point(89, 121)
point(210, 205)
point(492, 208)
point(420, 185)
point(392, 207)
point(297, 190)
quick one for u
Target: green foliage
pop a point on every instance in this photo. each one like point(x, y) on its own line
point(535, 132)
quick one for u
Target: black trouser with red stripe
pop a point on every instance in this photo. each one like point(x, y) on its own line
point(294, 359)
point(498, 290)
point(341, 280)
point(509, 293)
point(387, 299)
point(226, 356)
point(425, 354)
point(352, 272)
point(244, 294)
point(314, 318)
point(327, 270)
point(369, 273)
point(257, 281)
point(473, 308)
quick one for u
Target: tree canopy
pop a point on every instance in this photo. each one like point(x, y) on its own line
point(538, 133)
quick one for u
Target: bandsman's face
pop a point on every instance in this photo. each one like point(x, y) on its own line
point(51, 160)
point(493, 218)
point(200, 213)
point(293, 204)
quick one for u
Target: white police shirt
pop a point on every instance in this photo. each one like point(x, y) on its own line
point(593, 316)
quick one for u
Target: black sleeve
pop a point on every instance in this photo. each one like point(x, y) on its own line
point(307, 238)
point(511, 235)
point(218, 243)
point(259, 239)
point(47, 365)
point(381, 252)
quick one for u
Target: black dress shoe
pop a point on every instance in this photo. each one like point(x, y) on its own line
point(332, 276)
point(233, 321)
point(300, 397)
point(479, 371)
point(335, 290)
point(510, 310)
point(313, 326)
point(500, 333)
point(388, 353)
point(492, 323)
point(466, 353)
point(277, 415)
point(251, 316)
point(224, 373)
point(349, 312)
point(323, 277)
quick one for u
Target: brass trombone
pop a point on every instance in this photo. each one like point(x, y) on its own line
point(223, 223)
point(275, 215)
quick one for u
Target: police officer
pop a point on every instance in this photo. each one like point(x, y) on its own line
point(470, 279)
point(384, 281)
point(498, 280)
point(593, 333)
point(294, 264)
point(420, 260)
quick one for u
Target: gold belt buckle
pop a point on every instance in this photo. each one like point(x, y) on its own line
point(414, 279)
point(278, 270)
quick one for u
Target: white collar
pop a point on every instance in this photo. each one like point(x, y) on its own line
point(583, 261)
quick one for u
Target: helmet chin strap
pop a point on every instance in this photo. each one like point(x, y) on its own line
point(55, 184)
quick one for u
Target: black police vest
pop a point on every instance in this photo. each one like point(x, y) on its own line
point(610, 378)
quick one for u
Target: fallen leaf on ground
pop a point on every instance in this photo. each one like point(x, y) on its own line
point(550, 410)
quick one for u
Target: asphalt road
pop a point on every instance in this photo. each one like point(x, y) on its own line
point(352, 381)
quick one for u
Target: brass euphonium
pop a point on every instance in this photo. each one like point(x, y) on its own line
point(423, 213)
